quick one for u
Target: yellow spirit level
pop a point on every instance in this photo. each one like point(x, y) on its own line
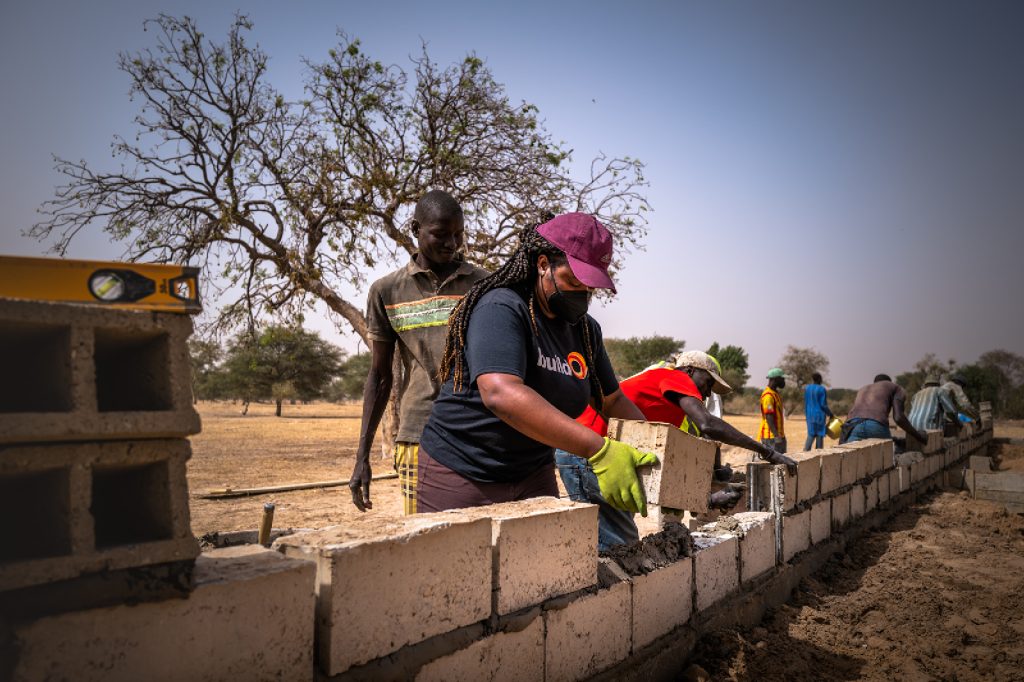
point(143, 286)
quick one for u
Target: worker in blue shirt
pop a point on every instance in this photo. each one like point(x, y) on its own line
point(816, 411)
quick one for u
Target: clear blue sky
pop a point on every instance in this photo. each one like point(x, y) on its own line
point(848, 176)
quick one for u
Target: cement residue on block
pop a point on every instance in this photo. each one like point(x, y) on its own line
point(716, 568)
point(905, 459)
point(250, 617)
point(653, 551)
point(363, 568)
point(757, 543)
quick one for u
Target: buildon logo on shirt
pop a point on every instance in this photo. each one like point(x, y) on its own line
point(573, 365)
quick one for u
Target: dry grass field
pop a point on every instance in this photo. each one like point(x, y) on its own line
point(315, 442)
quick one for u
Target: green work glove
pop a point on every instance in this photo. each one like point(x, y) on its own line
point(615, 467)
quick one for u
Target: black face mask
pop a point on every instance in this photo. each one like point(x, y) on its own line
point(569, 306)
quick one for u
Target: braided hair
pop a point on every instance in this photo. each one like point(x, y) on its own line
point(519, 272)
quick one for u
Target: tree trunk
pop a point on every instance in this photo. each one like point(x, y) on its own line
point(277, 413)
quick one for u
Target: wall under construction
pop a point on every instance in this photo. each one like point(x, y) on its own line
point(507, 592)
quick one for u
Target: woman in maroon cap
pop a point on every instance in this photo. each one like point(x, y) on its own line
point(522, 360)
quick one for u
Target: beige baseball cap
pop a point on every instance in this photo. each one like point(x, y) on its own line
point(701, 360)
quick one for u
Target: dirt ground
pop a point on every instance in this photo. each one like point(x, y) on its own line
point(315, 442)
point(935, 594)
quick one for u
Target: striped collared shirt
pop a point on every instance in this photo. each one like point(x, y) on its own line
point(410, 307)
point(928, 406)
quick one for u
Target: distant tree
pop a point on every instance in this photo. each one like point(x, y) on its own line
point(1005, 370)
point(734, 361)
point(983, 384)
point(801, 363)
point(632, 355)
point(351, 378)
point(205, 356)
point(280, 363)
point(928, 365)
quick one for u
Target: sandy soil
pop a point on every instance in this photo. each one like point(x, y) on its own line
point(1008, 428)
point(309, 443)
point(936, 594)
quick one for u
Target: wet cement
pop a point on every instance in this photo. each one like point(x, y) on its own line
point(654, 551)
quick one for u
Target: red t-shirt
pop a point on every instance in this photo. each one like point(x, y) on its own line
point(648, 391)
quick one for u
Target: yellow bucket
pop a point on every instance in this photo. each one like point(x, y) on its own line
point(835, 425)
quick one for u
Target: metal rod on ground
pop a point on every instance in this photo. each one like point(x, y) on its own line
point(224, 493)
point(266, 523)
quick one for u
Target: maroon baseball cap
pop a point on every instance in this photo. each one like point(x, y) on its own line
point(587, 244)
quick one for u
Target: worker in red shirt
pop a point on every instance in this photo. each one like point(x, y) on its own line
point(674, 395)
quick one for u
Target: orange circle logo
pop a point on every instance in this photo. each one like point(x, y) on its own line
point(577, 365)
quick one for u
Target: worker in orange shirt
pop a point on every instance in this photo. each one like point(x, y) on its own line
point(773, 417)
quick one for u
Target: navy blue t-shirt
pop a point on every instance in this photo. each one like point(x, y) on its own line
point(464, 435)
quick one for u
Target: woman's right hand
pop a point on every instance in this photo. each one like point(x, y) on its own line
point(615, 467)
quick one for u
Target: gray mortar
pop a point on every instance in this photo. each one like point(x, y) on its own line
point(650, 553)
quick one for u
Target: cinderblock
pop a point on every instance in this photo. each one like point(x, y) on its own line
point(808, 478)
point(682, 477)
point(796, 534)
point(831, 470)
point(250, 617)
point(883, 488)
point(588, 635)
point(850, 465)
point(856, 502)
point(821, 521)
point(544, 547)
point(840, 510)
point(903, 480)
point(662, 601)
point(757, 543)
point(419, 576)
point(871, 496)
point(78, 372)
point(503, 657)
point(87, 507)
point(715, 567)
point(933, 444)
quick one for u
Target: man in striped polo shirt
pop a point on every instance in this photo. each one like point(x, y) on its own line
point(409, 308)
point(931, 405)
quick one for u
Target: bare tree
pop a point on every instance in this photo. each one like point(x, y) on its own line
point(284, 202)
point(801, 363)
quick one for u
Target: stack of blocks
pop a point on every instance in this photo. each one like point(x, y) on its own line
point(101, 571)
point(93, 419)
